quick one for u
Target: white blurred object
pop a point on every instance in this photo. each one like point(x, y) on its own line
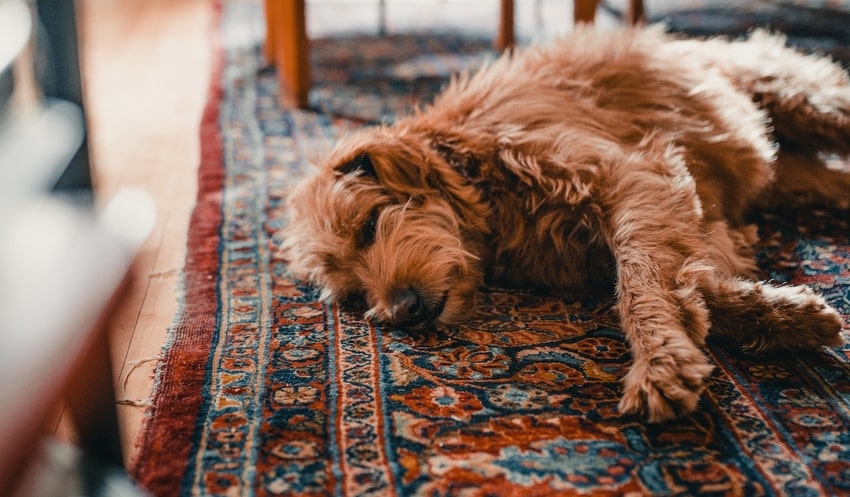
point(129, 204)
point(60, 264)
point(15, 24)
point(35, 147)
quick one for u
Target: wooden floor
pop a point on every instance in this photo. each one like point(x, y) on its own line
point(146, 67)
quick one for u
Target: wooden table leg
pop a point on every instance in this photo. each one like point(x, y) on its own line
point(635, 11)
point(288, 22)
point(584, 10)
point(270, 43)
point(505, 37)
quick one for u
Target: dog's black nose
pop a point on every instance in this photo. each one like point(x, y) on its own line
point(407, 308)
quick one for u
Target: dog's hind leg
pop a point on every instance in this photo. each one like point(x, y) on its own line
point(803, 179)
point(806, 96)
point(807, 99)
point(761, 318)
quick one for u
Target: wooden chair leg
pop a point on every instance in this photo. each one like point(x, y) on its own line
point(584, 11)
point(271, 30)
point(287, 25)
point(636, 12)
point(505, 38)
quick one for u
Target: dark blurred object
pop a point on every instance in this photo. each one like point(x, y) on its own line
point(59, 36)
point(43, 142)
point(63, 470)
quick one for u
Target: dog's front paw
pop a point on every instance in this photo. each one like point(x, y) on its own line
point(666, 385)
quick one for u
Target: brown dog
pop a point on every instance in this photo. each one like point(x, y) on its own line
point(627, 159)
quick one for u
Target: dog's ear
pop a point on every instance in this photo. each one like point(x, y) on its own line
point(361, 164)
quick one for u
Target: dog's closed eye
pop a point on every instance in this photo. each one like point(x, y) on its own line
point(369, 229)
point(361, 164)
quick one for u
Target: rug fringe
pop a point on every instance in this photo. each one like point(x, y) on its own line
point(134, 365)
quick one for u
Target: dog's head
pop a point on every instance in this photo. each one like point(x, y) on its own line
point(384, 218)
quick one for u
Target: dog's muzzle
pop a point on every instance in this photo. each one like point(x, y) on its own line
point(410, 310)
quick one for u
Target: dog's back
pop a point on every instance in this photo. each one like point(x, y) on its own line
point(593, 96)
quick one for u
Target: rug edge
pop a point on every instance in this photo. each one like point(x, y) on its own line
point(197, 290)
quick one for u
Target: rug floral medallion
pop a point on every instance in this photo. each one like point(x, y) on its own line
point(264, 390)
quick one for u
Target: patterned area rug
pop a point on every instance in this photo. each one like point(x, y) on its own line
point(265, 391)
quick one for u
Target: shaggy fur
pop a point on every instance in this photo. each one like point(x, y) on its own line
point(627, 161)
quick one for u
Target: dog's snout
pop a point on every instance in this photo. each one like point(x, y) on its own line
point(407, 308)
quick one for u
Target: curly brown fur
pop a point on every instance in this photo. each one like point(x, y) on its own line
point(628, 160)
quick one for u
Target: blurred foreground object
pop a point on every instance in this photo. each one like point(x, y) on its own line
point(62, 261)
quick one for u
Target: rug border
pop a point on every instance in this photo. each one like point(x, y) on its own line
point(160, 462)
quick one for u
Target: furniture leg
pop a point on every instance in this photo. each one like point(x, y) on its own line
point(636, 13)
point(505, 37)
point(59, 18)
point(270, 43)
point(287, 21)
point(584, 11)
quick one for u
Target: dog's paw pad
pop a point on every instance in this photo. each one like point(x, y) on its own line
point(663, 388)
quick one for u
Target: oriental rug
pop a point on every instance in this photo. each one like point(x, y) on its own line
point(264, 391)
